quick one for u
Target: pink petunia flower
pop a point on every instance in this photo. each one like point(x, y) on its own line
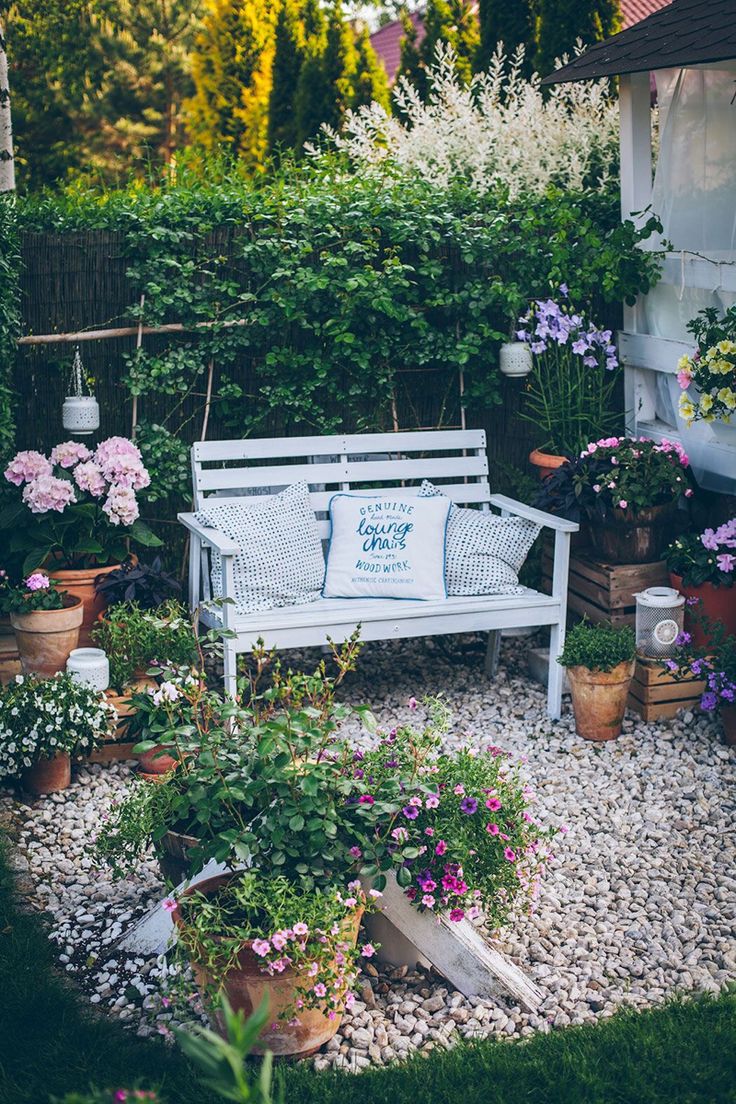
point(440, 848)
point(428, 900)
point(412, 703)
point(261, 947)
point(168, 904)
point(492, 829)
point(432, 800)
point(320, 989)
point(301, 929)
point(493, 803)
point(509, 854)
point(456, 915)
point(368, 950)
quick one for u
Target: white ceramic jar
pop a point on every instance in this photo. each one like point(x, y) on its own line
point(515, 360)
point(80, 414)
point(89, 666)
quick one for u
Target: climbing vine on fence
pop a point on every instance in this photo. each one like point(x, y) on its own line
point(306, 299)
point(9, 318)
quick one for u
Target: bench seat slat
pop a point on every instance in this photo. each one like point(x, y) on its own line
point(354, 471)
point(273, 448)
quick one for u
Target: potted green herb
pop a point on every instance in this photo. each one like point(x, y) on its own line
point(600, 665)
point(702, 567)
point(43, 723)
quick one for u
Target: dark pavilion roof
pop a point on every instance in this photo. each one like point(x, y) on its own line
point(686, 32)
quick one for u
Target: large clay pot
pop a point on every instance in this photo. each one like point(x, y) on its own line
point(48, 775)
point(81, 583)
point(545, 462)
point(246, 985)
point(629, 538)
point(46, 637)
point(599, 700)
point(716, 602)
point(156, 762)
point(728, 720)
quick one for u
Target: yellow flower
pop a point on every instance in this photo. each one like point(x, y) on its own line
point(727, 397)
point(687, 410)
point(724, 367)
point(683, 363)
point(725, 347)
point(706, 403)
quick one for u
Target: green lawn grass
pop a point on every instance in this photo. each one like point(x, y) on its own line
point(51, 1043)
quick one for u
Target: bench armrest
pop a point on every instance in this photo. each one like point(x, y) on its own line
point(213, 538)
point(541, 517)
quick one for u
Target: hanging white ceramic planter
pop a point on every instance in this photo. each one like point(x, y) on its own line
point(515, 360)
point(80, 414)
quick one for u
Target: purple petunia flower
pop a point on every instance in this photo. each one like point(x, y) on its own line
point(410, 812)
point(468, 805)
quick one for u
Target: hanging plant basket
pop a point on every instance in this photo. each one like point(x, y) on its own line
point(80, 414)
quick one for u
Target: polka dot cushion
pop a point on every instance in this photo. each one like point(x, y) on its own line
point(484, 552)
point(280, 562)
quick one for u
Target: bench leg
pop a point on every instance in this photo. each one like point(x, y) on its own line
point(231, 669)
point(493, 649)
point(556, 673)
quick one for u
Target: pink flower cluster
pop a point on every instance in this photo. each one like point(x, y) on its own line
point(114, 471)
point(722, 538)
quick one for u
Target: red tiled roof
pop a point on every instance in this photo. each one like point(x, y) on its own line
point(386, 41)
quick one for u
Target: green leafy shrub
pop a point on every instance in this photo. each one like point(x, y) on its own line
point(135, 639)
point(599, 647)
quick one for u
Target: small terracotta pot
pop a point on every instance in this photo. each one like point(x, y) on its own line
point(48, 775)
point(728, 720)
point(545, 462)
point(599, 700)
point(716, 602)
point(81, 583)
point(46, 637)
point(156, 763)
point(630, 538)
point(246, 985)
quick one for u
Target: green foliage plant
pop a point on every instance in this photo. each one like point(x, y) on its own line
point(136, 640)
point(560, 23)
point(706, 557)
point(598, 647)
point(37, 592)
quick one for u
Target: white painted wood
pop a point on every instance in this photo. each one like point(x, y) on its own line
point(707, 273)
point(658, 354)
point(635, 138)
point(345, 461)
point(721, 456)
point(458, 951)
point(560, 573)
point(153, 932)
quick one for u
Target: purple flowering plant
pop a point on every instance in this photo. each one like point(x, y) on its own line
point(707, 557)
point(76, 507)
point(570, 389)
point(616, 477)
point(714, 662)
point(456, 827)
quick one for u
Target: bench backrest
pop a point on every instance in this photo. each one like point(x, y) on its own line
point(362, 463)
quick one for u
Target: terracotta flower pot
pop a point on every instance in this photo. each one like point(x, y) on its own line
point(156, 761)
point(599, 700)
point(10, 665)
point(246, 985)
point(81, 583)
point(728, 720)
point(46, 637)
point(630, 537)
point(716, 602)
point(48, 775)
point(545, 462)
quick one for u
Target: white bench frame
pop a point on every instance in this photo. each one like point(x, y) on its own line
point(358, 463)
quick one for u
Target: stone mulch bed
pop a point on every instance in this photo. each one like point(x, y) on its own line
point(639, 903)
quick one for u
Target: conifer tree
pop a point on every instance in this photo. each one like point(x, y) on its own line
point(559, 23)
point(450, 21)
point(370, 83)
point(290, 50)
point(231, 67)
point(508, 21)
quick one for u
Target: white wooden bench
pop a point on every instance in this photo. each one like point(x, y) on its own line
point(365, 464)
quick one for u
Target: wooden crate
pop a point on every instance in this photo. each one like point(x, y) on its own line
point(605, 592)
point(112, 751)
point(655, 695)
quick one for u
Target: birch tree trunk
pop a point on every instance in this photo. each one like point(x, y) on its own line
point(7, 163)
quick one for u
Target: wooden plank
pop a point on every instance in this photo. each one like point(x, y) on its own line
point(466, 494)
point(368, 471)
point(699, 272)
point(652, 673)
point(111, 752)
point(520, 509)
point(458, 951)
point(272, 448)
point(595, 613)
point(660, 711)
point(675, 691)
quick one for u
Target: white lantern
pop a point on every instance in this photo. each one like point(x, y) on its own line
point(660, 613)
point(80, 414)
point(89, 666)
point(515, 360)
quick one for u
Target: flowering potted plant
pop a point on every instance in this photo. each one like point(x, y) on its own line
point(716, 663)
point(76, 514)
point(568, 396)
point(702, 568)
point(254, 938)
point(600, 665)
point(629, 490)
point(43, 723)
point(710, 372)
point(46, 622)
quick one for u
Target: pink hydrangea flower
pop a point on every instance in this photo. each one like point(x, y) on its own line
point(121, 506)
point(27, 466)
point(48, 493)
point(38, 581)
point(120, 462)
point(69, 453)
point(88, 477)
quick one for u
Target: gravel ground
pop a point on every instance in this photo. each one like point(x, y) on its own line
point(640, 901)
